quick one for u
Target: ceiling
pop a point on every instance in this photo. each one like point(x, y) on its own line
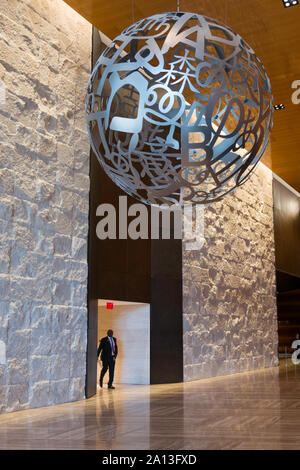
point(273, 32)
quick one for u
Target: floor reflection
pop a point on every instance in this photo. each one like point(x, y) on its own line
point(255, 410)
point(106, 416)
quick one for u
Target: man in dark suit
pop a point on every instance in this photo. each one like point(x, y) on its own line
point(109, 350)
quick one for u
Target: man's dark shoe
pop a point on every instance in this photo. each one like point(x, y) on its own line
point(111, 386)
point(101, 384)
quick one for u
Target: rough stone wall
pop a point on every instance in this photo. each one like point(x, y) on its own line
point(45, 54)
point(229, 290)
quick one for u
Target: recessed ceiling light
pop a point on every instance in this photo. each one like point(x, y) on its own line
point(290, 3)
point(279, 106)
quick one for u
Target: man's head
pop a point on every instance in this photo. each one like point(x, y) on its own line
point(110, 333)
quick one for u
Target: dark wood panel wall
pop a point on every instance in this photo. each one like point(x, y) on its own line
point(287, 229)
point(166, 330)
point(286, 282)
point(142, 270)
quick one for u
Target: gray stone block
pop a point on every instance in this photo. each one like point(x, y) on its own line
point(45, 73)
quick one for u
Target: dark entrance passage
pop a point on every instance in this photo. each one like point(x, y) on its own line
point(142, 270)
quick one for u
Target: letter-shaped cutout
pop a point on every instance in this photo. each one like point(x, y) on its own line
point(153, 51)
point(123, 124)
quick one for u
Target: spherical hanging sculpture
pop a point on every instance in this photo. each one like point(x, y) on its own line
point(179, 109)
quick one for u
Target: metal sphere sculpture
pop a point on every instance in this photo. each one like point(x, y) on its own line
point(179, 109)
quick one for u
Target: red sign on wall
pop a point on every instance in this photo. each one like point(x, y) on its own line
point(109, 305)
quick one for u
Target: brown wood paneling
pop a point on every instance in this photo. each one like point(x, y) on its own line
point(287, 229)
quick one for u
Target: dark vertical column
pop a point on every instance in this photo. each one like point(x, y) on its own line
point(166, 341)
point(92, 332)
point(92, 326)
point(147, 271)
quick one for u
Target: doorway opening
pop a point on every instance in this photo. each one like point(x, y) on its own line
point(288, 308)
point(130, 322)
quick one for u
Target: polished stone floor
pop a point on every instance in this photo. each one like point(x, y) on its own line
point(255, 410)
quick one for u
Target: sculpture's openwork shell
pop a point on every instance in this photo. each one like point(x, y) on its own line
point(179, 109)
